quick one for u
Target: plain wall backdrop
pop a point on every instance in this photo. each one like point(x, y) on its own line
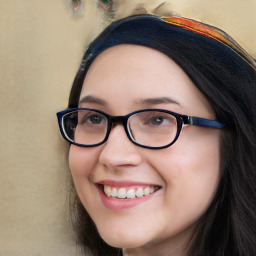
point(41, 45)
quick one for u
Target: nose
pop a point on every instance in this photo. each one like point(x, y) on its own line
point(118, 150)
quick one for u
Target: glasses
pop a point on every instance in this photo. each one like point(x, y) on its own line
point(148, 128)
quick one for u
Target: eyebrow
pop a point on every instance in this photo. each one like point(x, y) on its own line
point(92, 99)
point(148, 101)
point(159, 100)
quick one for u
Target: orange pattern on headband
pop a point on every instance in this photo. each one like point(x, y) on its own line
point(211, 32)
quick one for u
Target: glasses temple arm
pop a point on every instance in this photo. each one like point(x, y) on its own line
point(199, 121)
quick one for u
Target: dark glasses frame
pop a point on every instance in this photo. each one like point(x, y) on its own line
point(181, 120)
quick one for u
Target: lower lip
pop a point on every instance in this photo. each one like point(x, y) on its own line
point(119, 204)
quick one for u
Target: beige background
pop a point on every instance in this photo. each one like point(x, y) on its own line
point(41, 44)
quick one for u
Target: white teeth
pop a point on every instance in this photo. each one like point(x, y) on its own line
point(114, 192)
point(139, 192)
point(130, 193)
point(146, 191)
point(107, 190)
point(123, 193)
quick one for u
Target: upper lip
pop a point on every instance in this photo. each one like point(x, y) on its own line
point(125, 183)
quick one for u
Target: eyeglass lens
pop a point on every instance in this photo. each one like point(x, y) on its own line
point(148, 128)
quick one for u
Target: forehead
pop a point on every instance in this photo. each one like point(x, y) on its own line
point(133, 64)
point(129, 53)
point(133, 72)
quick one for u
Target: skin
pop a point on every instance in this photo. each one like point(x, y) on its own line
point(122, 77)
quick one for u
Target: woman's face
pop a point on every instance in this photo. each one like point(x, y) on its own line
point(121, 80)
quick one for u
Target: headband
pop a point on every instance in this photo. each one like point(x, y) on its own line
point(143, 29)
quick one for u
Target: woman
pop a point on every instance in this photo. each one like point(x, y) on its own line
point(161, 121)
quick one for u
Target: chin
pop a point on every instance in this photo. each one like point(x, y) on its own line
point(123, 240)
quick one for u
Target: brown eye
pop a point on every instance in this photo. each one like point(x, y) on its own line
point(75, 4)
point(106, 4)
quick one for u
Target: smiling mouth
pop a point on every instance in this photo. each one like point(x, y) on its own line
point(129, 193)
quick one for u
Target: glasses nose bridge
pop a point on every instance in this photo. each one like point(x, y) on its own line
point(114, 120)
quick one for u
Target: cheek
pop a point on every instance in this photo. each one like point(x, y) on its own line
point(81, 163)
point(198, 153)
point(190, 169)
point(194, 159)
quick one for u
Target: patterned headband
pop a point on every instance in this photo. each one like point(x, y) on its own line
point(211, 32)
